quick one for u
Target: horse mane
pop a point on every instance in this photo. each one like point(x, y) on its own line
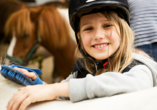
point(19, 23)
point(53, 26)
point(49, 24)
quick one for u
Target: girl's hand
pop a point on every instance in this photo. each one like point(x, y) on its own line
point(31, 75)
point(31, 94)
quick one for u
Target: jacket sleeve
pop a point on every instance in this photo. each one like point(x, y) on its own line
point(71, 76)
point(110, 83)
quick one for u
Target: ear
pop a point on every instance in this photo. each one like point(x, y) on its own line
point(78, 35)
point(35, 13)
point(23, 5)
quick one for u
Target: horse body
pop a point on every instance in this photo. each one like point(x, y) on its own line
point(63, 59)
point(47, 26)
point(63, 48)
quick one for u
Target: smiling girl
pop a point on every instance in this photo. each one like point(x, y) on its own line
point(107, 63)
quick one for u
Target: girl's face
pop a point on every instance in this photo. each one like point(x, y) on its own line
point(99, 37)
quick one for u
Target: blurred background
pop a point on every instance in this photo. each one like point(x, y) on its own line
point(44, 54)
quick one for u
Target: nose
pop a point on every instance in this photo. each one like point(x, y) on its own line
point(99, 34)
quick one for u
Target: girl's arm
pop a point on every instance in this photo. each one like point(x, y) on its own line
point(110, 83)
point(35, 93)
point(30, 94)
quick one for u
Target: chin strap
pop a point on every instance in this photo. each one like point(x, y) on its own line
point(105, 65)
point(100, 65)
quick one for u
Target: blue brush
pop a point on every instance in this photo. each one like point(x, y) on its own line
point(18, 77)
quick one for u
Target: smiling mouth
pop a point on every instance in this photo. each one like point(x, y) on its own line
point(100, 45)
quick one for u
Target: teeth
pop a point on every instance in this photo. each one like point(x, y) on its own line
point(100, 46)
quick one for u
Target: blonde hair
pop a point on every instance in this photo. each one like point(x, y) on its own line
point(123, 56)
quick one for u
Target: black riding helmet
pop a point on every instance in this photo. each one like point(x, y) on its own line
point(78, 8)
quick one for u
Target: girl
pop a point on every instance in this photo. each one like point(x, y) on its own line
point(107, 62)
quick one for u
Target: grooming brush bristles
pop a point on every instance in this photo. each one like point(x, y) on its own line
point(26, 82)
point(11, 74)
point(19, 78)
point(4, 72)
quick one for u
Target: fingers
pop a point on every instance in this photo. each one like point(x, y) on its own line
point(20, 88)
point(31, 75)
point(20, 100)
point(25, 103)
point(21, 70)
point(17, 99)
point(30, 94)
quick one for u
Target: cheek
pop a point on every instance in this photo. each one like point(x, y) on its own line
point(86, 41)
point(115, 39)
point(117, 42)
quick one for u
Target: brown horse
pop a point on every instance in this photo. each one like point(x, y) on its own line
point(44, 25)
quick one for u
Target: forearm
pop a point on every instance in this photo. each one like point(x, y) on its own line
point(61, 89)
point(35, 93)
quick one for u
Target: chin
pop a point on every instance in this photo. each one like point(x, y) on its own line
point(101, 58)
